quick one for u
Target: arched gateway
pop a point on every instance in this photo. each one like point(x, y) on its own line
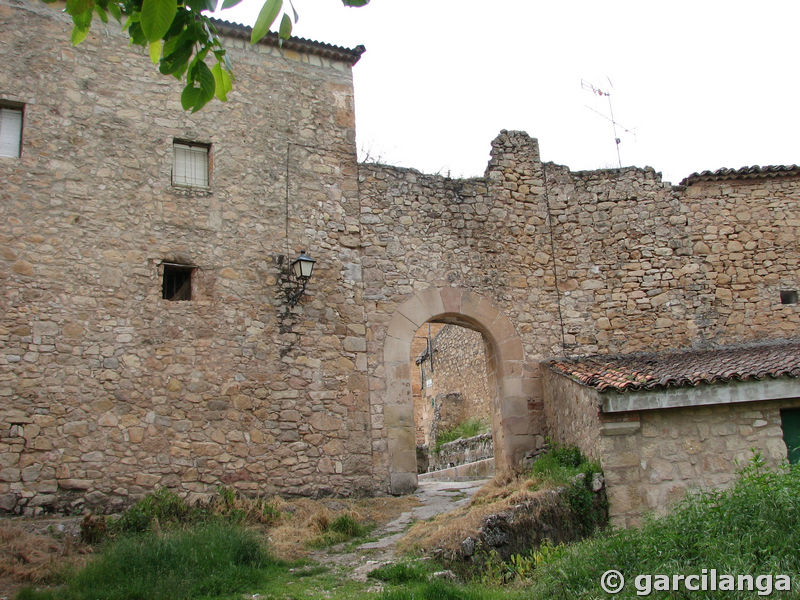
point(512, 390)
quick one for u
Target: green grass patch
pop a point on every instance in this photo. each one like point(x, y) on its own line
point(342, 529)
point(466, 429)
point(752, 528)
point(206, 561)
point(445, 590)
point(404, 572)
point(566, 466)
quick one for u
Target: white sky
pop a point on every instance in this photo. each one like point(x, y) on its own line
point(703, 84)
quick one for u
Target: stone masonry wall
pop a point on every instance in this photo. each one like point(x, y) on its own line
point(572, 413)
point(606, 261)
point(744, 239)
point(423, 411)
point(459, 367)
point(649, 467)
point(106, 390)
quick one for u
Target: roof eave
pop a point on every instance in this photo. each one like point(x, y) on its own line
point(329, 51)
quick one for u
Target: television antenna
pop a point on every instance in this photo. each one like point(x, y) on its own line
point(614, 125)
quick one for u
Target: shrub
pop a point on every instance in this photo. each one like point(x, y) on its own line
point(165, 506)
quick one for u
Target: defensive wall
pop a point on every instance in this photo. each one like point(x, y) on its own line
point(107, 389)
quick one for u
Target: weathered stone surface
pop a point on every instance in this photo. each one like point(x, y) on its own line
point(131, 384)
point(138, 388)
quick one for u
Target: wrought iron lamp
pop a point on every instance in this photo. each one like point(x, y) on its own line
point(301, 268)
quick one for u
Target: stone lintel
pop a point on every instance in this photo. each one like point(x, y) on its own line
point(702, 395)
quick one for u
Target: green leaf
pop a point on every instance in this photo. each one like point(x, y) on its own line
point(115, 11)
point(176, 62)
point(136, 34)
point(286, 28)
point(203, 75)
point(157, 16)
point(155, 50)
point(190, 96)
point(269, 12)
point(101, 12)
point(355, 2)
point(230, 3)
point(79, 7)
point(83, 20)
point(196, 96)
point(222, 82)
point(78, 34)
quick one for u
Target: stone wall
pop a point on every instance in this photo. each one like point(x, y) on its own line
point(744, 243)
point(461, 451)
point(653, 458)
point(459, 368)
point(572, 413)
point(423, 411)
point(106, 389)
point(650, 458)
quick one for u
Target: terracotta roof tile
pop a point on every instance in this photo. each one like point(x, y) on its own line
point(754, 172)
point(350, 55)
point(682, 369)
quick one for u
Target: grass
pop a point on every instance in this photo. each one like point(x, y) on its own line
point(466, 429)
point(27, 557)
point(204, 561)
point(752, 528)
point(560, 466)
point(342, 529)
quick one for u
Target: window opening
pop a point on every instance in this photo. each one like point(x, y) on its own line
point(177, 282)
point(788, 296)
point(190, 164)
point(10, 131)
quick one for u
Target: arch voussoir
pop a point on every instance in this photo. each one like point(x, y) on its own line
point(511, 427)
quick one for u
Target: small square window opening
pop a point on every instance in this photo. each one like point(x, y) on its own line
point(10, 131)
point(190, 164)
point(788, 296)
point(177, 282)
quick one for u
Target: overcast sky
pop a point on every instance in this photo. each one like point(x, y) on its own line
point(694, 85)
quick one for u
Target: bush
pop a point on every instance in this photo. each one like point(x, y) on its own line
point(165, 506)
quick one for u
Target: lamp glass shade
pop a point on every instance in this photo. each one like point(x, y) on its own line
point(303, 265)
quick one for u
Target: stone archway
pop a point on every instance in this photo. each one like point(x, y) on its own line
point(511, 421)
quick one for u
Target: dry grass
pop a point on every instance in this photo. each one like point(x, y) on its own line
point(447, 530)
point(30, 557)
point(304, 519)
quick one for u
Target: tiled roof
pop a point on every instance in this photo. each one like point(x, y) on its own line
point(754, 172)
point(681, 369)
point(350, 55)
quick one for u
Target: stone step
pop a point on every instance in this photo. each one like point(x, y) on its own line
point(479, 469)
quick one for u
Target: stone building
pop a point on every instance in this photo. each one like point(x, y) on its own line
point(146, 338)
point(452, 381)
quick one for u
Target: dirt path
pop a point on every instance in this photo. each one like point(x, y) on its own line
point(435, 497)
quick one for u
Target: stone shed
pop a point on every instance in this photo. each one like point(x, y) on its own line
point(661, 424)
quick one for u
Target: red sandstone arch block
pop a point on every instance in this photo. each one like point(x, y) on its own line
point(512, 424)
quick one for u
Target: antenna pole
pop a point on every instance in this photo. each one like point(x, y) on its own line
point(596, 90)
